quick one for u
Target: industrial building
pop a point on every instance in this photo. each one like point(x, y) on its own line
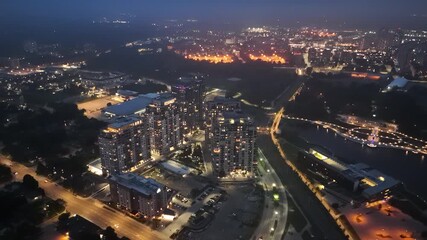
point(359, 178)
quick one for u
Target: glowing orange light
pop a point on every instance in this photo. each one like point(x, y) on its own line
point(271, 58)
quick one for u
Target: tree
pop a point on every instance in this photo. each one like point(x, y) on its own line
point(194, 192)
point(63, 220)
point(41, 169)
point(29, 182)
point(197, 152)
point(110, 234)
point(64, 217)
point(85, 235)
point(5, 173)
point(26, 231)
point(309, 71)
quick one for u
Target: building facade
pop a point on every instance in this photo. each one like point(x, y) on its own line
point(233, 144)
point(123, 145)
point(189, 93)
point(164, 124)
point(216, 107)
point(138, 194)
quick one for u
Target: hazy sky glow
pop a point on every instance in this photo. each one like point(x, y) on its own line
point(352, 12)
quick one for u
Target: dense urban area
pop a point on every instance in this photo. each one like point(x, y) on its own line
point(192, 130)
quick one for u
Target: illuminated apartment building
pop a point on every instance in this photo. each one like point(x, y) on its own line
point(233, 143)
point(138, 194)
point(123, 145)
point(164, 124)
point(189, 93)
point(217, 106)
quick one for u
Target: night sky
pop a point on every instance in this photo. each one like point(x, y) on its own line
point(395, 13)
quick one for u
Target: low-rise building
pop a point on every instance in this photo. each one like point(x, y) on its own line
point(359, 178)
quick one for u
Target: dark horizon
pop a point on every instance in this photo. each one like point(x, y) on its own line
point(333, 13)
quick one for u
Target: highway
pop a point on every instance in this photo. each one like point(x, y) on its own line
point(89, 208)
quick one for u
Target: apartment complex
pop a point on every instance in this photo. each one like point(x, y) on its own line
point(147, 125)
point(189, 93)
point(138, 194)
point(233, 143)
point(124, 144)
point(164, 124)
point(216, 107)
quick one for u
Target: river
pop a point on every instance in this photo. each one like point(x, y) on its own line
point(409, 168)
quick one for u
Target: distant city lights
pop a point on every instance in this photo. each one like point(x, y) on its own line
point(274, 58)
point(211, 58)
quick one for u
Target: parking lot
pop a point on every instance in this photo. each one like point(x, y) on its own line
point(225, 214)
point(183, 185)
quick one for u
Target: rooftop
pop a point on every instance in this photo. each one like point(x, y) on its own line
point(123, 121)
point(130, 107)
point(235, 118)
point(176, 167)
point(372, 181)
point(146, 186)
point(375, 180)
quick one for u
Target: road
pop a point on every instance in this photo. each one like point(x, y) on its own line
point(323, 225)
point(89, 208)
point(272, 213)
point(311, 206)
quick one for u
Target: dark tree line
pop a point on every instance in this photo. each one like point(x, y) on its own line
point(57, 136)
point(66, 225)
point(5, 173)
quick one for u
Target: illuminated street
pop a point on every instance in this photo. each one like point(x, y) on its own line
point(89, 208)
point(275, 210)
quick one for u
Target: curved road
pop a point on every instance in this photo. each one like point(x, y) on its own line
point(323, 225)
point(273, 213)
